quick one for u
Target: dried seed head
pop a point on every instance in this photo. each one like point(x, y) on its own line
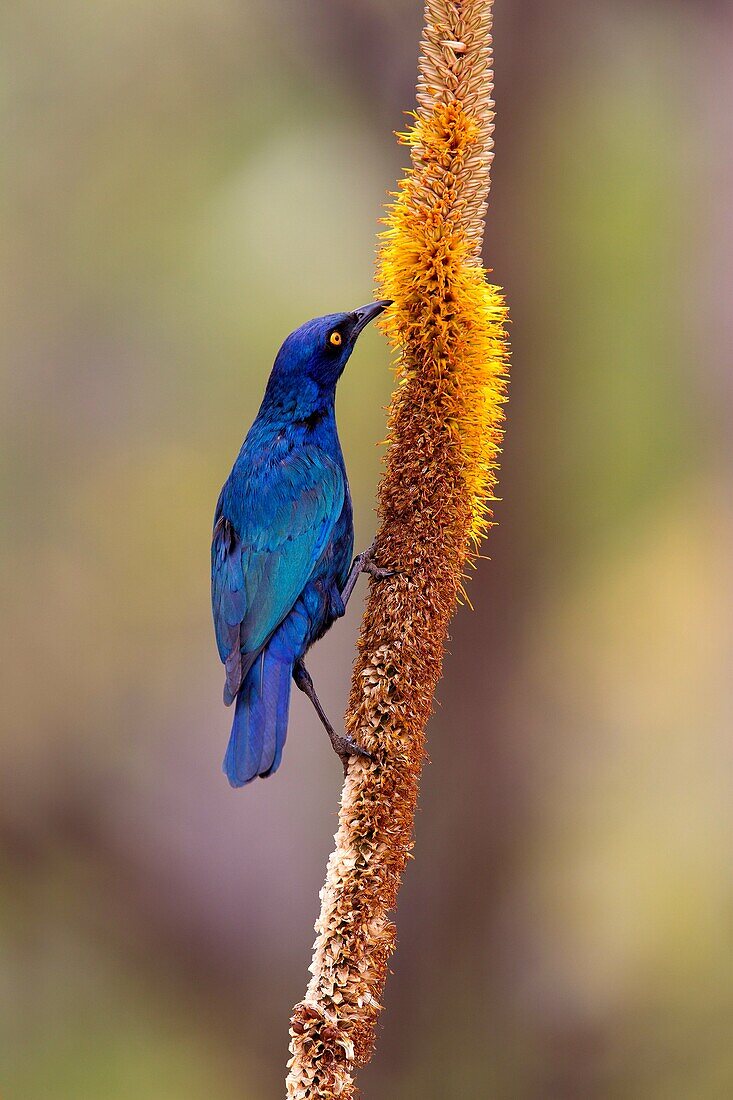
point(447, 325)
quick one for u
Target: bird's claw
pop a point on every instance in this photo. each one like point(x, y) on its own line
point(377, 572)
point(345, 747)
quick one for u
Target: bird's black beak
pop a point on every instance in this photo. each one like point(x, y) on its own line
point(365, 314)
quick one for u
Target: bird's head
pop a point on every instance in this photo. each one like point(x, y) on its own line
point(314, 356)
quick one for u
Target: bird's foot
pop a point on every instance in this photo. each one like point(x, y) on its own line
point(377, 572)
point(370, 566)
point(345, 747)
point(364, 563)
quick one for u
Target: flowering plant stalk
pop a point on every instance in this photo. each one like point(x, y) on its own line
point(448, 326)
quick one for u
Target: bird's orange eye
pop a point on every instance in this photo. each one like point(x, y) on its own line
point(335, 339)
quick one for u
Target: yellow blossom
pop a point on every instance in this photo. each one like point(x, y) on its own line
point(447, 326)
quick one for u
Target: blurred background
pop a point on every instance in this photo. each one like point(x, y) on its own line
point(184, 182)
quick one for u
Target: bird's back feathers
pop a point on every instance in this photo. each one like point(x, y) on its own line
point(270, 532)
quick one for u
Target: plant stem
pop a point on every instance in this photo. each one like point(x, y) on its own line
point(447, 323)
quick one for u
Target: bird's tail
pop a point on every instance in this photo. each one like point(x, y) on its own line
point(260, 720)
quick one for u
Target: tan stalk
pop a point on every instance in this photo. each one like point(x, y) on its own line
point(447, 323)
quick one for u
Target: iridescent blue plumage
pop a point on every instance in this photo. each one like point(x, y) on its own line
point(283, 540)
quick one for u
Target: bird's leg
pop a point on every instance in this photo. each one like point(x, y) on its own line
point(364, 563)
point(343, 746)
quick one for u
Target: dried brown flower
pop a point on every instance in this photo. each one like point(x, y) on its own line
point(445, 432)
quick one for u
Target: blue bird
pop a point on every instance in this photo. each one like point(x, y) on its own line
point(281, 554)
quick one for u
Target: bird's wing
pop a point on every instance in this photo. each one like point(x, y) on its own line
point(267, 540)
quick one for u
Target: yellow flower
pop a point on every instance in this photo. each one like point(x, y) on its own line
point(447, 321)
point(447, 325)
